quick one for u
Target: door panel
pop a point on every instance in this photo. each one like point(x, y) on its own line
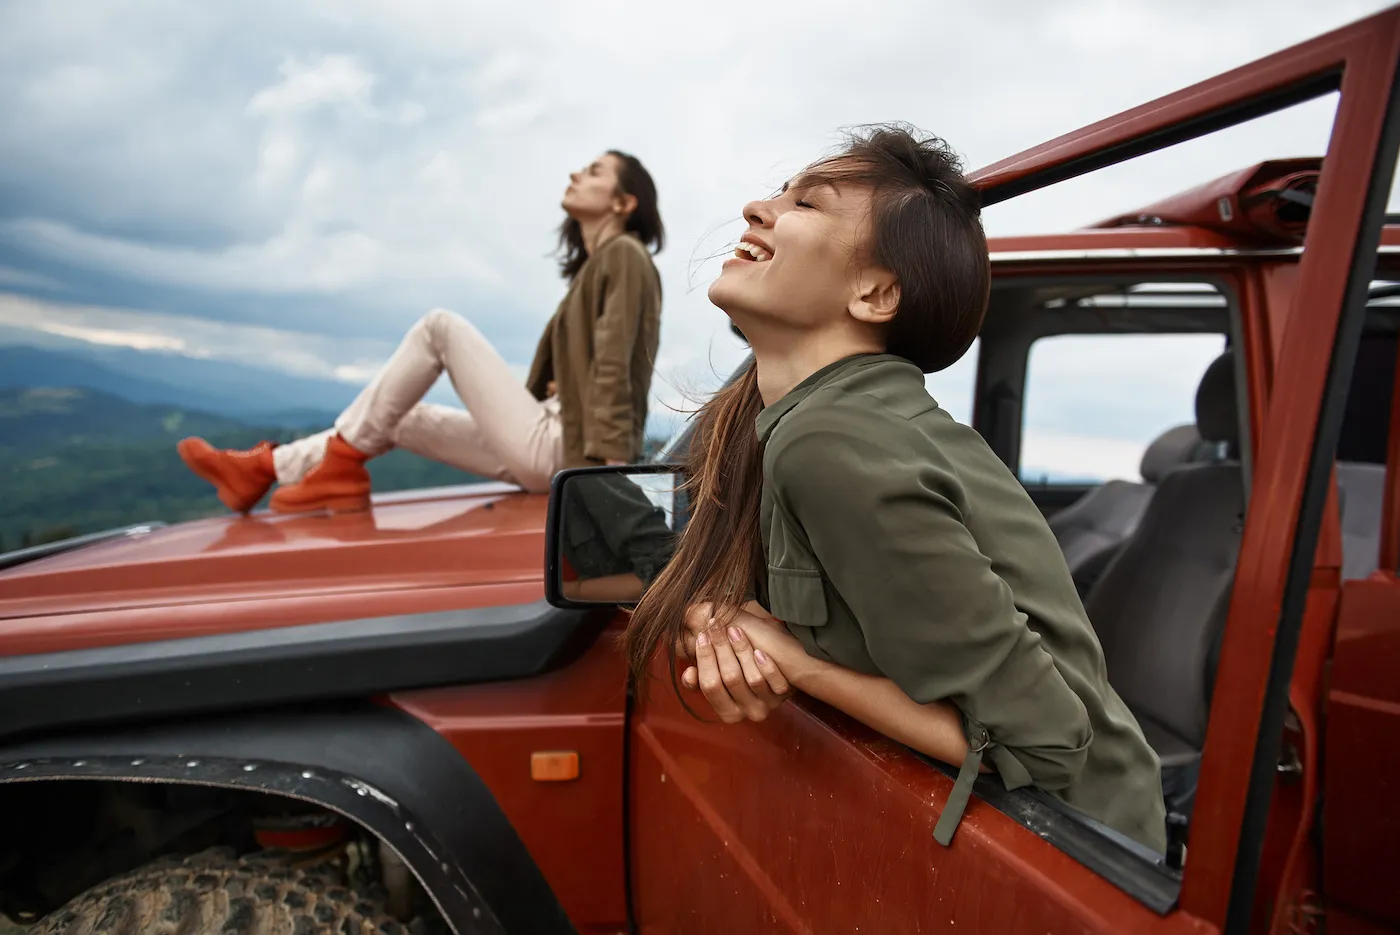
point(810, 823)
point(1361, 827)
point(1293, 467)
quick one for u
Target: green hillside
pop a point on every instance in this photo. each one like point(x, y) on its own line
point(75, 461)
point(41, 418)
point(78, 460)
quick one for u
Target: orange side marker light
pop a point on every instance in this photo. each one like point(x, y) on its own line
point(554, 765)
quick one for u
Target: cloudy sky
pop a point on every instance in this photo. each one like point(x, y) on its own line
point(293, 183)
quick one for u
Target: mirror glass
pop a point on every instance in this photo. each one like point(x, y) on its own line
point(615, 530)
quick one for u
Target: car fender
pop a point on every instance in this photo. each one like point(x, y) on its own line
point(374, 764)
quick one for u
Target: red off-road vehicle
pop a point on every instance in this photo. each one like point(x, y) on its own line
point(359, 722)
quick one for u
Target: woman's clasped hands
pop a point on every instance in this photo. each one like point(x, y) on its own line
point(744, 661)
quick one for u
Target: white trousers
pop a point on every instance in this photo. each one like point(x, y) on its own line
point(505, 433)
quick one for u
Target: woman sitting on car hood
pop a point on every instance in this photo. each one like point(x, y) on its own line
point(585, 401)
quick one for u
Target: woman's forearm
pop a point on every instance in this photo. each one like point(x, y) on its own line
point(934, 729)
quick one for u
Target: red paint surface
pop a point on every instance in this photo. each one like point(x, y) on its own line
point(574, 830)
point(436, 550)
point(1248, 218)
point(1119, 239)
point(1361, 823)
point(811, 823)
point(1369, 52)
point(1341, 922)
point(1288, 867)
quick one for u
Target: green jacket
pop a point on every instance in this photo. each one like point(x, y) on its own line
point(599, 348)
point(898, 544)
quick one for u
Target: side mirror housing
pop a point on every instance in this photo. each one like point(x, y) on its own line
point(609, 532)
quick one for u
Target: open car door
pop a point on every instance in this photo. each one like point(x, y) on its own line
point(1306, 394)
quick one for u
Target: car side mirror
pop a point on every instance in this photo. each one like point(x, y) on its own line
point(610, 531)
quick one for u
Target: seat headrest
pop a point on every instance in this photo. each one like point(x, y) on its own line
point(1173, 448)
point(1217, 413)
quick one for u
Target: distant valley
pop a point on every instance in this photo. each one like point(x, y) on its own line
point(251, 394)
point(76, 460)
point(87, 439)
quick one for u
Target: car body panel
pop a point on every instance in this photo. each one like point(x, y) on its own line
point(809, 822)
point(573, 829)
point(435, 550)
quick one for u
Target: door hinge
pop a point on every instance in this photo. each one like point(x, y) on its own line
point(1290, 767)
point(1306, 915)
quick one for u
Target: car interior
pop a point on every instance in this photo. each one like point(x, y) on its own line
point(1160, 604)
point(1365, 437)
point(1092, 529)
point(1155, 560)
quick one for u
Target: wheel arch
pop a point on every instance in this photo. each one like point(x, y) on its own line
point(374, 765)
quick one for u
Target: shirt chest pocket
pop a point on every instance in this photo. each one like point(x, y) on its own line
point(796, 593)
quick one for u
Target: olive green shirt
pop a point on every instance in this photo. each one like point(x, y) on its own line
point(899, 544)
point(599, 348)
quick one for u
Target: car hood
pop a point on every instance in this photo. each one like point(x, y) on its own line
point(475, 545)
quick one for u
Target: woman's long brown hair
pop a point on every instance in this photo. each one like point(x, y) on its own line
point(720, 554)
point(926, 228)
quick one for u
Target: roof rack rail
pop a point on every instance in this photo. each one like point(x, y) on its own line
point(34, 552)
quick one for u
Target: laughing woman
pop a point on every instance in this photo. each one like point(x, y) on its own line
point(585, 401)
point(911, 581)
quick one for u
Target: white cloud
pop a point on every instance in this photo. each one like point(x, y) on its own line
point(299, 259)
point(333, 79)
point(24, 279)
point(512, 114)
point(410, 154)
point(311, 355)
point(359, 373)
point(1048, 454)
point(110, 337)
point(952, 388)
point(277, 159)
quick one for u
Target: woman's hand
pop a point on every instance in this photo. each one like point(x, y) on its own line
point(741, 666)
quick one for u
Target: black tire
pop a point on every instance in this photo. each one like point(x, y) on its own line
point(213, 893)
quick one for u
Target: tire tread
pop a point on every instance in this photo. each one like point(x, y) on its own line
point(216, 893)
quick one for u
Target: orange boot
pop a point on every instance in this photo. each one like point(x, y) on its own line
point(339, 483)
point(239, 477)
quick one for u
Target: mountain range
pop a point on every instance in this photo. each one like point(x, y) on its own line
point(249, 394)
point(87, 437)
point(38, 419)
point(76, 460)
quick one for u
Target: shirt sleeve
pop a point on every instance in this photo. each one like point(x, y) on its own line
point(886, 520)
point(633, 527)
point(629, 293)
